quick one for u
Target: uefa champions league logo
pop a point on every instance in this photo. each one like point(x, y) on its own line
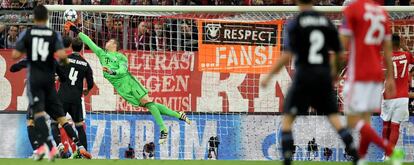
point(213, 31)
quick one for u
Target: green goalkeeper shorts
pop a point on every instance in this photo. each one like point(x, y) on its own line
point(131, 90)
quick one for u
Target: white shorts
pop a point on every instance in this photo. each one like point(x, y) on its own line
point(362, 97)
point(395, 110)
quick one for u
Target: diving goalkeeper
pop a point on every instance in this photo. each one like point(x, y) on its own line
point(115, 70)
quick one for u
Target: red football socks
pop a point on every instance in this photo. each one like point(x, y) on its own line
point(369, 135)
point(386, 129)
point(394, 133)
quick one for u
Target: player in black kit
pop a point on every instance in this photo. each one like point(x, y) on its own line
point(71, 90)
point(30, 116)
point(311, 37)
point(40, 43)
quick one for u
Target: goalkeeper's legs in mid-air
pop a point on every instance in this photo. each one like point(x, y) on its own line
point(136, 94)
point(157, 110)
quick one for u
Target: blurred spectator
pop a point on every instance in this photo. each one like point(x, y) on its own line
point(142, 40)
point(106, 29)
point(77, 2)
point(258, 2)
point(89, 28)
point(15, 4)
point(180, 2)
point(2, 34)
point(230, 2)
point(189, 36)
point(164, 2)
point(22, 28)
point(119, 2)
point(5, 4)
point(114, 29)
point(105, 2)
point(324, 3)
point(95, 2)
point(159, 38)
point(11, 38)
point(39, 2)
point(26, 4)
point(146, 2)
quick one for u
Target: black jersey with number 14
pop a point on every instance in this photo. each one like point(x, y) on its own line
point(40, 43)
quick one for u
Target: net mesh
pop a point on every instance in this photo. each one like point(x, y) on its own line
point(214, 80)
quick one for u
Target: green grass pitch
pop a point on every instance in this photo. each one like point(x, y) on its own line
point(166, 162)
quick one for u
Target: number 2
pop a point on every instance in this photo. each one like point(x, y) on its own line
point(39, 47)
point(73, 76)
point(403, 71)
point(317, 40)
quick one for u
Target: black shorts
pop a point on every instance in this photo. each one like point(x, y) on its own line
point(308, 91)
point(43, 97)
point(75, 110)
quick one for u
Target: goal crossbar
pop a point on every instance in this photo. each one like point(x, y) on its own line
point(222, 9)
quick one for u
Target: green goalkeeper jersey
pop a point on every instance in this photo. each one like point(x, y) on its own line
point(114, 61)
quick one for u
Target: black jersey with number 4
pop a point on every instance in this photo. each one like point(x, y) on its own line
point(40, 43)
point(75, 72)
point(311, 36)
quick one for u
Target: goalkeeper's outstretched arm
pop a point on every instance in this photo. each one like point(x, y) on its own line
point(95, 48)
point(85, 39)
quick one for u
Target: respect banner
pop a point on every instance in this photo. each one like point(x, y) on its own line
point(238, 47)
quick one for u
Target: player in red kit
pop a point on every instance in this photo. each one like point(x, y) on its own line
point(366, 32)
point(394, 109)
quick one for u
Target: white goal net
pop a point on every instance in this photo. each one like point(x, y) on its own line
point(209, 65)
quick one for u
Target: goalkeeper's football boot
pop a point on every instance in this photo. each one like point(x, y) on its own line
point(81, 153)
point(76, 155)
point(184, 117)
point(40, 152)
point(85, 154)
point(53, 154)
point(163, 137)
point(397, 157)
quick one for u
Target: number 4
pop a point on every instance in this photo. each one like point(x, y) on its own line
point(73, 76)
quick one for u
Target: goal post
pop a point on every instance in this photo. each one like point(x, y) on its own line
point(208, 61)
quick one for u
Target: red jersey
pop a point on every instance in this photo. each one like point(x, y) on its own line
point(401, 61)
point(368, 26)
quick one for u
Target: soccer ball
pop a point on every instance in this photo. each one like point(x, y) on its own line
point(70, 15)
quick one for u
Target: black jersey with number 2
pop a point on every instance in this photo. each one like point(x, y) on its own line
point(310, 36)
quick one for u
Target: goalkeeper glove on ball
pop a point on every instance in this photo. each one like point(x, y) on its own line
point(70, 26)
